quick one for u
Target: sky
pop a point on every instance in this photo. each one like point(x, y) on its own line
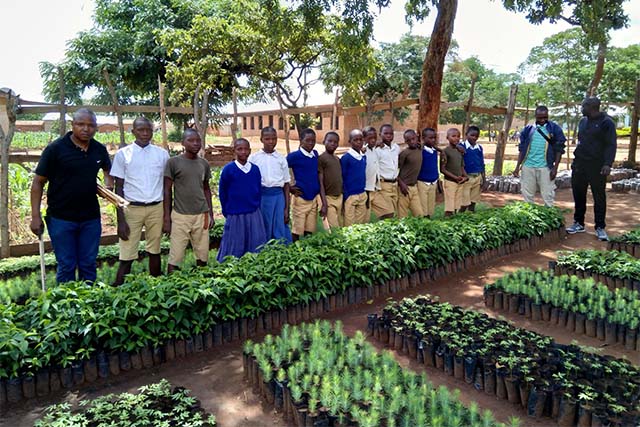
point(500, 39)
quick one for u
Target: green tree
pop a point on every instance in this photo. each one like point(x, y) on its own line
point(123, 41)
point(621, 71)
point(595, 18)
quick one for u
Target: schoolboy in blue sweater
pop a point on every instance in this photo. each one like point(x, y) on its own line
point(354, 178)
point(303, 165)
point(240, 196)
point(474, 166)
point(429, 172)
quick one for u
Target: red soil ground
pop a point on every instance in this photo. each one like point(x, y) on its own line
point(216, 377)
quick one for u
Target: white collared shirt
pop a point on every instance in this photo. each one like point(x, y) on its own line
point(356, 155)
point(388, 160)
point(428, 149)
point(371, 183)
point(246, 168)
point(273, 168)
point(467, 145)
point(310, 155)
point(142, 170)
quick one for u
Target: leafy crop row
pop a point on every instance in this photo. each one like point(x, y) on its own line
point(11, 267)
point(154, 405)
point(75, 320)
point(315, 375)
point(618, 265)
point(549, 379)
point(585, 306)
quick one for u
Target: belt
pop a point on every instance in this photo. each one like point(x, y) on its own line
point(388, 180)
point(145, 204)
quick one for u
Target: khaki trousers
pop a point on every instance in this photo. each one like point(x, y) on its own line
point(305, 215)
point(427, 194)
point(452, 196)
point(334, 211)
point(409, 202)
point(533, 178)
point(185, 229)
point(355, 209)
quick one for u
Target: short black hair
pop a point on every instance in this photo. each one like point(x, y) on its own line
point(368, 129)
point(408, 131)
point(331, 133)
point(188, 131)
point(241, 141)
point(85, 111)
point(425, 130)
point(142, 119)
point(542, 109)
point(305, 132)
point(386, 125)
point(267, 129)
point(472, 128)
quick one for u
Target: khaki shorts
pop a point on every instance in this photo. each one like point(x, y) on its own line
point(137, 217)
point(185, 229)
point(384, 201)
point(334, 211)
point(355, 209)
point(452, 196)
point(409, 202)
point(471, 190)
point(427, 194)
point(305, 215)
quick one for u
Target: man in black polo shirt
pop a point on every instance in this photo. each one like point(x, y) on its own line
point(592, 162)
point(71, 164)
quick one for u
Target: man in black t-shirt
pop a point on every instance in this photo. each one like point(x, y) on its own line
point(592, 162)
point(70, 165)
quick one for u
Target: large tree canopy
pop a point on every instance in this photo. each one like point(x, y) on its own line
point(123, 41)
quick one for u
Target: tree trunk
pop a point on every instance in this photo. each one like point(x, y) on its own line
point(599, 71)
point(234, 123)
point(334, 111)
point(503, 137)
point(7, 129)
point(204, 121)
point(116, 107)
point(433, 65)
point(633, 140)
point(285, 120)
point(163, 115)
point(63, 106)
point(467, 118)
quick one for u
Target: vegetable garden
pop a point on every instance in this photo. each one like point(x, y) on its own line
point(323, 373)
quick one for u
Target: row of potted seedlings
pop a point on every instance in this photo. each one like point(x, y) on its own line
point(562, 382)
point(148, 319)
point(157, 404)
point(315, 375)
point(581, 306)
point(612, 268)
point(109, 254)
point(628, 242)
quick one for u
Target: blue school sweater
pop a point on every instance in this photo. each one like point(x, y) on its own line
point(429, 171)
point(354, 175)
point(240, 192)
point(305, 171)
point(473, 159)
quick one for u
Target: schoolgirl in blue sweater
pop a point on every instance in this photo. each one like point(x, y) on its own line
point(240, 195)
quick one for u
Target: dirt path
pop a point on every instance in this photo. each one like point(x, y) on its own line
point(216, 377)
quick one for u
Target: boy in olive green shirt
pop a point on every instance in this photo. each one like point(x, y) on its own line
point(452, 166)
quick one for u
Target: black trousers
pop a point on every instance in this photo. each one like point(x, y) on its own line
point(584, 175)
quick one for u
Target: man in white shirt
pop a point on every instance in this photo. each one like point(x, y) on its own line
point(275, 186)
point(138, 171)
point(387, 154)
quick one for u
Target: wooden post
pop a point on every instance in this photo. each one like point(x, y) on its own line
point(503, 137)
point(526, 113)
point(63, 105)
point(163, 115)
point(204, 121)
point(8, 104)
point(285, 120)
point(635, 116)
point(467, 119)
point(116, 106)
point(334, 110)
point(234, 123)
